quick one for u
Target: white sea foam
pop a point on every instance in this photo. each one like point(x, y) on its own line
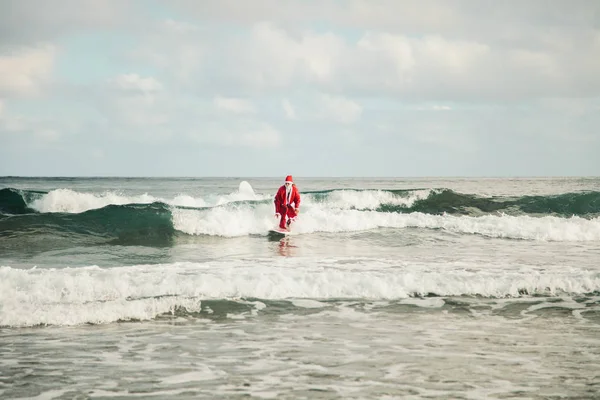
point(70, 201)
point(368, 199)
point(200, 373)
point(72, 296)
point(338, 211)
point(240, 220)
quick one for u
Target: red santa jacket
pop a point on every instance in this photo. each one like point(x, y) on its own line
point(281, 201)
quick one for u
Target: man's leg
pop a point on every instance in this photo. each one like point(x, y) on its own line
point(282, 221)
point(291, 214)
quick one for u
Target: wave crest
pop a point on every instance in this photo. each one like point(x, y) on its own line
point(94, 295)
point(147, 220)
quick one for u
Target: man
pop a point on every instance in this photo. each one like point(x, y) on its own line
point(286, 196)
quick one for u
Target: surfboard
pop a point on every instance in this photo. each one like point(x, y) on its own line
point(278, 232)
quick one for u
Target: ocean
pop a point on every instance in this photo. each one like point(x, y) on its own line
point(390, 288)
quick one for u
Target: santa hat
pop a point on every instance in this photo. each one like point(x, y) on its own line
point(289, 179)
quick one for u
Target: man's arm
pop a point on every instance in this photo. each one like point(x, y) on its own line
point(297, 200)
point(279, 200)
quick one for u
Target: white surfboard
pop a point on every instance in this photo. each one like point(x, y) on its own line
point(277, 231)
point(280, 232)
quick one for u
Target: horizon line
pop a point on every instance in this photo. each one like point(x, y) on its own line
point(305, 177)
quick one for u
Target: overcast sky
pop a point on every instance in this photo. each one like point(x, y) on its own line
point(309, 88)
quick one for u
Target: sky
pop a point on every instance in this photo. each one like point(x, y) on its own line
point(387, 88)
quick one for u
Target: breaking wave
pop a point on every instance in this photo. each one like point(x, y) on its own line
point(148, 220)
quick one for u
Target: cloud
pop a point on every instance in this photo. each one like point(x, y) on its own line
point(423, 67)
point(238, 106)
point(143, 109)
point(180, 26)
point(340, 109)
point(26, 22)
point(413, 86)
point(361, 14)
point(456, 19)
point(574, 107)
point(238, 133)
point(273, 58)
point(177, 47)
point(29, 130)
point(289, 110)
point(47, 135)
point(435, 107)
point(134, 102)
point(264, 57)
point(134, 82)
point(24, 72)
point(139, 112)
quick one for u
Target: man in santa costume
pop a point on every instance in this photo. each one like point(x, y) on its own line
point(286, 196)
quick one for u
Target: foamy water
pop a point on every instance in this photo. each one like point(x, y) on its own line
point(96, 295)
point(407, 349)
point(70, 201)
point(244, 212)
point(372, 297)
point(244, 220)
